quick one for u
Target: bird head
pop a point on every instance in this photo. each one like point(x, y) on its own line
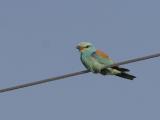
point(85, 46)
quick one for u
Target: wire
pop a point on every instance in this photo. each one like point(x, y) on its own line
point(75, 73)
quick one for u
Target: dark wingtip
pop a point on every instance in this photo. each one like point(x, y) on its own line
point(126, 76)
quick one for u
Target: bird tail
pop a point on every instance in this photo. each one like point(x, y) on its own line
point(121, 69)
point(122, 72)
point(126, 76)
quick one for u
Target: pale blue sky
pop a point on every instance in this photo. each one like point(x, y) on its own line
point(38, 39)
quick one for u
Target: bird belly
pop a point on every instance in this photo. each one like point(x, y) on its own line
point(92, 65)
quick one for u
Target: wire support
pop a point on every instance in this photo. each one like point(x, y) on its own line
point(76, 73)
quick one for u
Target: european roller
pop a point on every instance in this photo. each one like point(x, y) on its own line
point(96, 61)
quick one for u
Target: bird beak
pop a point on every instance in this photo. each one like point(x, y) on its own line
point(79, 48)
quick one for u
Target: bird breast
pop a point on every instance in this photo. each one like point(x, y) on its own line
point(92, 64)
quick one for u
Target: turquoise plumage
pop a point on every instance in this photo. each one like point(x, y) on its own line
point(96, 60)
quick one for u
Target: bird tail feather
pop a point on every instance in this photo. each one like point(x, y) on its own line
point(122, 73)
point(121, 69)
point(126, 76)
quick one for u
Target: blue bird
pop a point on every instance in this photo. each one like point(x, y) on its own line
point(95, 61)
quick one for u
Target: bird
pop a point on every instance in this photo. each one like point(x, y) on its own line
point(96, 61)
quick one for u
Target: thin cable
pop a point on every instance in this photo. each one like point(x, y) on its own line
point(76, 73)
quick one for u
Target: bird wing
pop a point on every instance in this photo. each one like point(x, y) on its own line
point(102, 58)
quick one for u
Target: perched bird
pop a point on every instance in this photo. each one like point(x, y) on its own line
point(96, 61)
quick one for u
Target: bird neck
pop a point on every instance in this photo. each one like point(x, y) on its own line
point(88, 52)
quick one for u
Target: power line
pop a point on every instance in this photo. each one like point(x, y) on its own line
point(75, 73)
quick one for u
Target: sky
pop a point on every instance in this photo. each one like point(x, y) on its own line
point(38, 39)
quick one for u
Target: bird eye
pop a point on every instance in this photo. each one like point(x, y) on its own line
point(87, 46)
